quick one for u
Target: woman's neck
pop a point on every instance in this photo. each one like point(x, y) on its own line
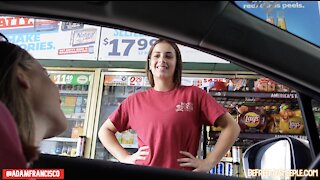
point(163, 86)
point(40, 128)
point(40, 134)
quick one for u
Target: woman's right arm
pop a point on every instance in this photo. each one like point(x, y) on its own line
point(108, 139)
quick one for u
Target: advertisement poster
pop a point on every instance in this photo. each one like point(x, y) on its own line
point(118, 45)
point(202, 82)
point(301, 18)
point(126, 81)
point(59, 40)
point(49, 39)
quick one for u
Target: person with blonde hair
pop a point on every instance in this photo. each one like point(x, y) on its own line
point(31, 97)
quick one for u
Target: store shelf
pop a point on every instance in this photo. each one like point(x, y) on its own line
point(226, 159)
point(267, 136)
point(230, 99)
point(62, 139)
point(130, 146)
point(260, 136)
point(75, 119)
point(73, 92)
point(241, 94)
point(76, 116)
point(118, 96)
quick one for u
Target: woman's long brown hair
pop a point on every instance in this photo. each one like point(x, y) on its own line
point(11, 94)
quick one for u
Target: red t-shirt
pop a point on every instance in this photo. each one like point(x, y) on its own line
point(11, 153)
point(167, 122)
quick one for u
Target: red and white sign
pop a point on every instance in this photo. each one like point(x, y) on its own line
point(135, 81)
point(50, 39)
point(33, 173)
point(14, 22)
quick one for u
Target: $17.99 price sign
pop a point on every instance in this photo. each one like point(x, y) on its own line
point(124, 45)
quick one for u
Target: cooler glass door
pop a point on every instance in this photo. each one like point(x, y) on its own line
point(114, 88)
point(75, 89)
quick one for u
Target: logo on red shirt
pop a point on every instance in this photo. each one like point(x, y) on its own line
point(184, 107)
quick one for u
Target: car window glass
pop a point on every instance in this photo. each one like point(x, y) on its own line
point(316, 111)
point(261, 106)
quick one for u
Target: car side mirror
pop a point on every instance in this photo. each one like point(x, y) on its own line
point(271, 158)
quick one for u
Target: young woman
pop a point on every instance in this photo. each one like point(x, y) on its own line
point(31, 97)
point(168, 118)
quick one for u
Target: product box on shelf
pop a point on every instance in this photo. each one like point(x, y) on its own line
point(252, 119)
point(291, 121)
point(237, 84)
point(268, 85)
point(270, 119)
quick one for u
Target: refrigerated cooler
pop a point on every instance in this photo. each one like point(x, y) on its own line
point(76, 92)
point(114, 88)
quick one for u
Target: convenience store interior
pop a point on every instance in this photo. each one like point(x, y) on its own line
point(106, 91)
point(93, 87)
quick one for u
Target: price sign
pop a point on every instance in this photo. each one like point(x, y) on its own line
point(115, 80)
point(62, 78)
point(123, 45)
point(72, 79)
point(135, 81)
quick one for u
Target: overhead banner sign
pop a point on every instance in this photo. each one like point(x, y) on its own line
point(118, 45)
point(298, 17)
point(49, 39)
